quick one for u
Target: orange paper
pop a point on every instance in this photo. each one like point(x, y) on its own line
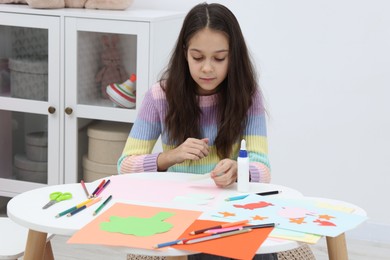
point(92, 234)
point(242, 246)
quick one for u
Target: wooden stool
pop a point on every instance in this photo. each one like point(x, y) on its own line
point(13, 239)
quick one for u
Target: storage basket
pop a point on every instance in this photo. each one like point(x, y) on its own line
point(94, 171)
point(36, 146)
point(106, 141)
point(29, 78)
point(28, 170)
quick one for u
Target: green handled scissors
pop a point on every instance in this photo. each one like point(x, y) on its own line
point(57, 197)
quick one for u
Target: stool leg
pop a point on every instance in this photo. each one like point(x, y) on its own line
point(35, 247)
point(48, 252)
point(337, 247)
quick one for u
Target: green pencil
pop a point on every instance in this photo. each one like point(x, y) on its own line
point(101, 206)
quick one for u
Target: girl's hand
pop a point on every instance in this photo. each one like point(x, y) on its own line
point(224, 173)
point(191, 149)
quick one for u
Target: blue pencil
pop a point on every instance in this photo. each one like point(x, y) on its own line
point(240, 197)
point(170, 243)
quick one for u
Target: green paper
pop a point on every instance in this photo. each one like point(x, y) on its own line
point(137, 226)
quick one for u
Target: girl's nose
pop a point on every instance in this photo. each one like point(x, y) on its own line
point(207, 66)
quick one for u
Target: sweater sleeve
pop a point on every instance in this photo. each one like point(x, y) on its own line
point(257, 144)
point(136, 155)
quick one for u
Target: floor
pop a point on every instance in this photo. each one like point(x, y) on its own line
point(358, 250)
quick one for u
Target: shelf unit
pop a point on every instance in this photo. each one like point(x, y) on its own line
point(71, 41)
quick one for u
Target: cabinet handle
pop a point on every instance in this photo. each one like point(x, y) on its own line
point(51, 110)
point(68, 111)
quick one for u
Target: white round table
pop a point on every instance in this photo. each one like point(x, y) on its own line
point(26, 210)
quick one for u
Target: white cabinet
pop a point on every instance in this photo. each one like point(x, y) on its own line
point(70, 42)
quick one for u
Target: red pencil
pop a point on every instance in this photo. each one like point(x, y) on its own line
point(101, 188)
point(98, 187)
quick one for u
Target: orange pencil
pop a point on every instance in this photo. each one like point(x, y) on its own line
point(230, 224)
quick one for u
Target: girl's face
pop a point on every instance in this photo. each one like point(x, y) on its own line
point(208, 59)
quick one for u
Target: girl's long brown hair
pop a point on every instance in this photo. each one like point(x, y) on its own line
point(234, 94)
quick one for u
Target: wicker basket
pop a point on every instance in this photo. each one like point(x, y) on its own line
point(29, 78)
point(301, 253)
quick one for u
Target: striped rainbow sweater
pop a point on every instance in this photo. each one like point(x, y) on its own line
point(137, 155)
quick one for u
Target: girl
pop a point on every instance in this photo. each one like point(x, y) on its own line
point(206, 102)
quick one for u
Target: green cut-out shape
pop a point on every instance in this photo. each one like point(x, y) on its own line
point(137, 226)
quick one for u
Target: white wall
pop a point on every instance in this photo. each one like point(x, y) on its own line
point(325, 73)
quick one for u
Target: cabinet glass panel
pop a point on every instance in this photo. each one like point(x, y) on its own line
point(23, 146)
point(106, 63)
point(100, 145)
point(24, 62)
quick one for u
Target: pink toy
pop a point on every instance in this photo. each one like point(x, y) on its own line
point(112, 70)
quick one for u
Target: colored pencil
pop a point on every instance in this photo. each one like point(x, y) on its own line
point(98, 187)
point(102, 188)
point(102, 205)
point(170, 243)
point(216, 236)
point(85, 188)
point(224, 230)
point(183, 240)
point(266, 225)
point(266, 193)
point(84, 207)
point(230, 224)
point(63, 213)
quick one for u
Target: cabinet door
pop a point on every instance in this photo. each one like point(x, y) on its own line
point(29, 102)
point(99, 52)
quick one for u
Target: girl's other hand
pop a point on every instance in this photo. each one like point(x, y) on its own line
point(224, 173)
point(191, 149)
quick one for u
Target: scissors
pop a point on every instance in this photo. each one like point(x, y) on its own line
point(57, 197)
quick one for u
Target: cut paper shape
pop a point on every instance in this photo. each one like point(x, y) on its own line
point(195, 198)
point(324, 223)
point(257, 217)
point(252, 206)
point(199, 177)
point(92, 234)
point(295, 212)
point(243, 246)
point(297, 220)
point(325, 205)
point(340, 223)
point(167, 190)
point(226, 214)
point(200, 196)
point(138, 226)
point(294, 235)
point(327, 217)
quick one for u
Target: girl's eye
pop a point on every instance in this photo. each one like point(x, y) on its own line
point(219, 59)
point(197, 58)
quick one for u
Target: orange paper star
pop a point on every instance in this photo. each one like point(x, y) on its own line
point(227, 214)
point(297, 220)
point(257, 217)
point(327, 217)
